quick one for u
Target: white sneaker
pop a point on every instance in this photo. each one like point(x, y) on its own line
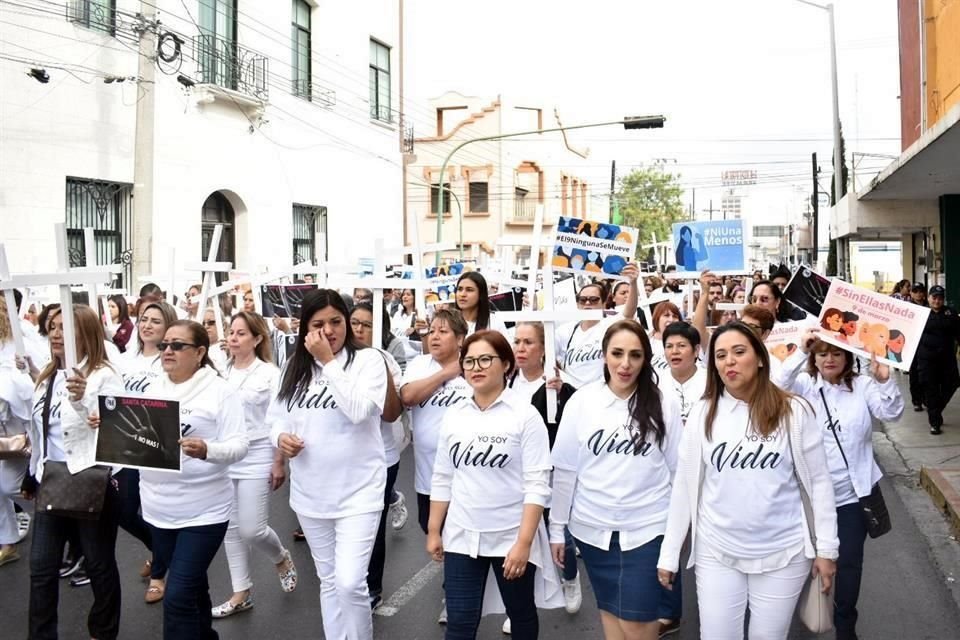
point(443, 614)
point(398, 512)
point(506, 627)
point(572, 595)
point(23, 525)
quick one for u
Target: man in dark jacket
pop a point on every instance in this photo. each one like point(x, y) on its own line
point(918, 295)
point(937, 357)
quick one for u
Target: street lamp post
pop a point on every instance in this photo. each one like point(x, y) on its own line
point(837, 155)
point(629, 122)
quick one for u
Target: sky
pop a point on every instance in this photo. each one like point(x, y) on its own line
point(743, 83)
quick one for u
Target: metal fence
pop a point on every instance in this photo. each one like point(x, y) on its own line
point(108, 208)
point(223, 62)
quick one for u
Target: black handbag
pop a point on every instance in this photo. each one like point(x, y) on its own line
point(62, 493)
point(876, 517)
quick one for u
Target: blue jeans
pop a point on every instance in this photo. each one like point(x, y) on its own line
point(379, 556)
point(465, 578)
point(852, 532)
point(98, 541)
point(187, 554)
point(131, 521)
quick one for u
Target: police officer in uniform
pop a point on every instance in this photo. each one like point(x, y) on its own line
point(937, 356)
point(918, 295)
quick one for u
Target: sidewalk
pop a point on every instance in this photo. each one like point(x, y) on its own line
point(926, 474)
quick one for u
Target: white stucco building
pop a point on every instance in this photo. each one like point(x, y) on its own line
point(278, 119)
point(496, 185)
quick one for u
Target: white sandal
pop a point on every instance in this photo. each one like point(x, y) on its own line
point(227, 609)
point(288, 578)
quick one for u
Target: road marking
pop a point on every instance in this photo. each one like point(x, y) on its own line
point(405, 594)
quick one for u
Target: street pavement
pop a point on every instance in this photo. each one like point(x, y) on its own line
point(904, 594)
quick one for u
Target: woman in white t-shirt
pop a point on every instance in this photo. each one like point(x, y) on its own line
point(218, 356)
point(473, 302)
point(141, 368)
point(614, 458)
point(402, 321)
point(326, 418)
point(751, 456)
point(251, 372)
point(431, 386)
point(578, 343)
point(490, 484)
point(846, 404)
point(684, 379)
point(188, 512)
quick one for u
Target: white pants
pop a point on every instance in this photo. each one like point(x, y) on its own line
point(248, 530)
point(724, 593)
point(341, 549)
point(11, 475)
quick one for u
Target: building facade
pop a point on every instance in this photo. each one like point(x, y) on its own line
point(492, 188)
point(279, 120)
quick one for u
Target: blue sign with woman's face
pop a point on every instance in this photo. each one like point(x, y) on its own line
point(716, 245)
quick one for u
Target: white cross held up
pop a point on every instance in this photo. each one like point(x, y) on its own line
point(63, 278)
point(210, 267)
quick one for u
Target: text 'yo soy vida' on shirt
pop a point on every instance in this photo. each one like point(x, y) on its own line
point(580, 351)
point(427, 416)
point(622, 483)
point(139, 372)
point(751, 516)
point(490, 462)
point(201, 493)
point(341, 470)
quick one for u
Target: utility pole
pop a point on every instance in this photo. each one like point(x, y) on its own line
point(711, 210)
point(613, 188)
point(143, 155)
point(815, 204)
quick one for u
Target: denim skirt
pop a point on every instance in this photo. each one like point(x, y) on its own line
point(625, 582)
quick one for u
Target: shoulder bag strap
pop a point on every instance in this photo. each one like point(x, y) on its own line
point(833, 428)
point(45, 414)
point(572, 333)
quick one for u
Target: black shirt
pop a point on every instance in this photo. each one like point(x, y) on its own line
point(940, 336)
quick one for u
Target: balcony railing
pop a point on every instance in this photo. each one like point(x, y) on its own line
point(524, 210)
point(309, 90)
point(224, 63)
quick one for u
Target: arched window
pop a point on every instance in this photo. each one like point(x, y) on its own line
point(218, 210)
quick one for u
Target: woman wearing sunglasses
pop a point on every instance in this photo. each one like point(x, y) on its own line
point(326, 419)
point(250, 370)
point(578, 343)
point(141, 368)
point(489, 487)
point(188, 512)
point(614, 460)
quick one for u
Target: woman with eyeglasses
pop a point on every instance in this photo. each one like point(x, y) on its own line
point(141, 368)
point(769, 296)
point(473, 302)
point(361, 321)
point(60, 433)
point(845, 403)
point(751, 462)
point(251, 372)
point(188, 512)
point(578, 343)
point(614, 459)
point(326, 419)
point(489, 487)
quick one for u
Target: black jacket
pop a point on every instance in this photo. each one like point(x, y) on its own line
point(938, 343)
point(539, 402)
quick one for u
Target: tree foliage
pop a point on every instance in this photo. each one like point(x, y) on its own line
point(649, 198)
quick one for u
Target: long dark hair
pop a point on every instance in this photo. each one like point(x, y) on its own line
point(483, 298)
point(123, 312)
point(769, 404)
point(645, 407)
point(783, 311)
point(299, 369)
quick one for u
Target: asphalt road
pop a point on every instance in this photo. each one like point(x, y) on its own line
point(902, 597)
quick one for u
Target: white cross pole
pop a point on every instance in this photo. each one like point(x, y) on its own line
point(12, 311)
point(209, 268)
point(170, 277)
point(419, 283)
point(90, 260)
point(63, 278)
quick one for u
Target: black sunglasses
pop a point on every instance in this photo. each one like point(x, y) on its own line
point(176, 346)
point(588, 299)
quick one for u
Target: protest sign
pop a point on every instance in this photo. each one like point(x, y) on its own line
point(717, 245)
point(807, 290)
point(509, 300)
point(784, 339)
point(283, 300)
point(869, 323)
point(443, 281)
point(138, 432)
point(586, 246)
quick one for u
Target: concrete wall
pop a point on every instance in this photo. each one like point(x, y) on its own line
point(299, 152)
point(910, 99)
point(942, 19)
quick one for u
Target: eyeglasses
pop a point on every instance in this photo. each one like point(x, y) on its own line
point(480, 362)
point(209, 323)
point(757, 329)
point(176, 346)
point(588, 299)
point(356, 324)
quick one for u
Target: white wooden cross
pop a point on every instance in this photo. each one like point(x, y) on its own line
point(548, 316)
point(209, 268)
point(12, 311)
point(416, 251)
point(63, 278)
point(170, 277)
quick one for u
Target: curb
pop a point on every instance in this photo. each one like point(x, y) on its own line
point(941, 485)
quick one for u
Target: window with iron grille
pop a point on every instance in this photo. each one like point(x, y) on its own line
point(380, 82)
point(98, 15)
point(435, 198)
point(217, 45)
point(300, 34)
point(308, 221)
point(479, 196)
point(108, 208)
